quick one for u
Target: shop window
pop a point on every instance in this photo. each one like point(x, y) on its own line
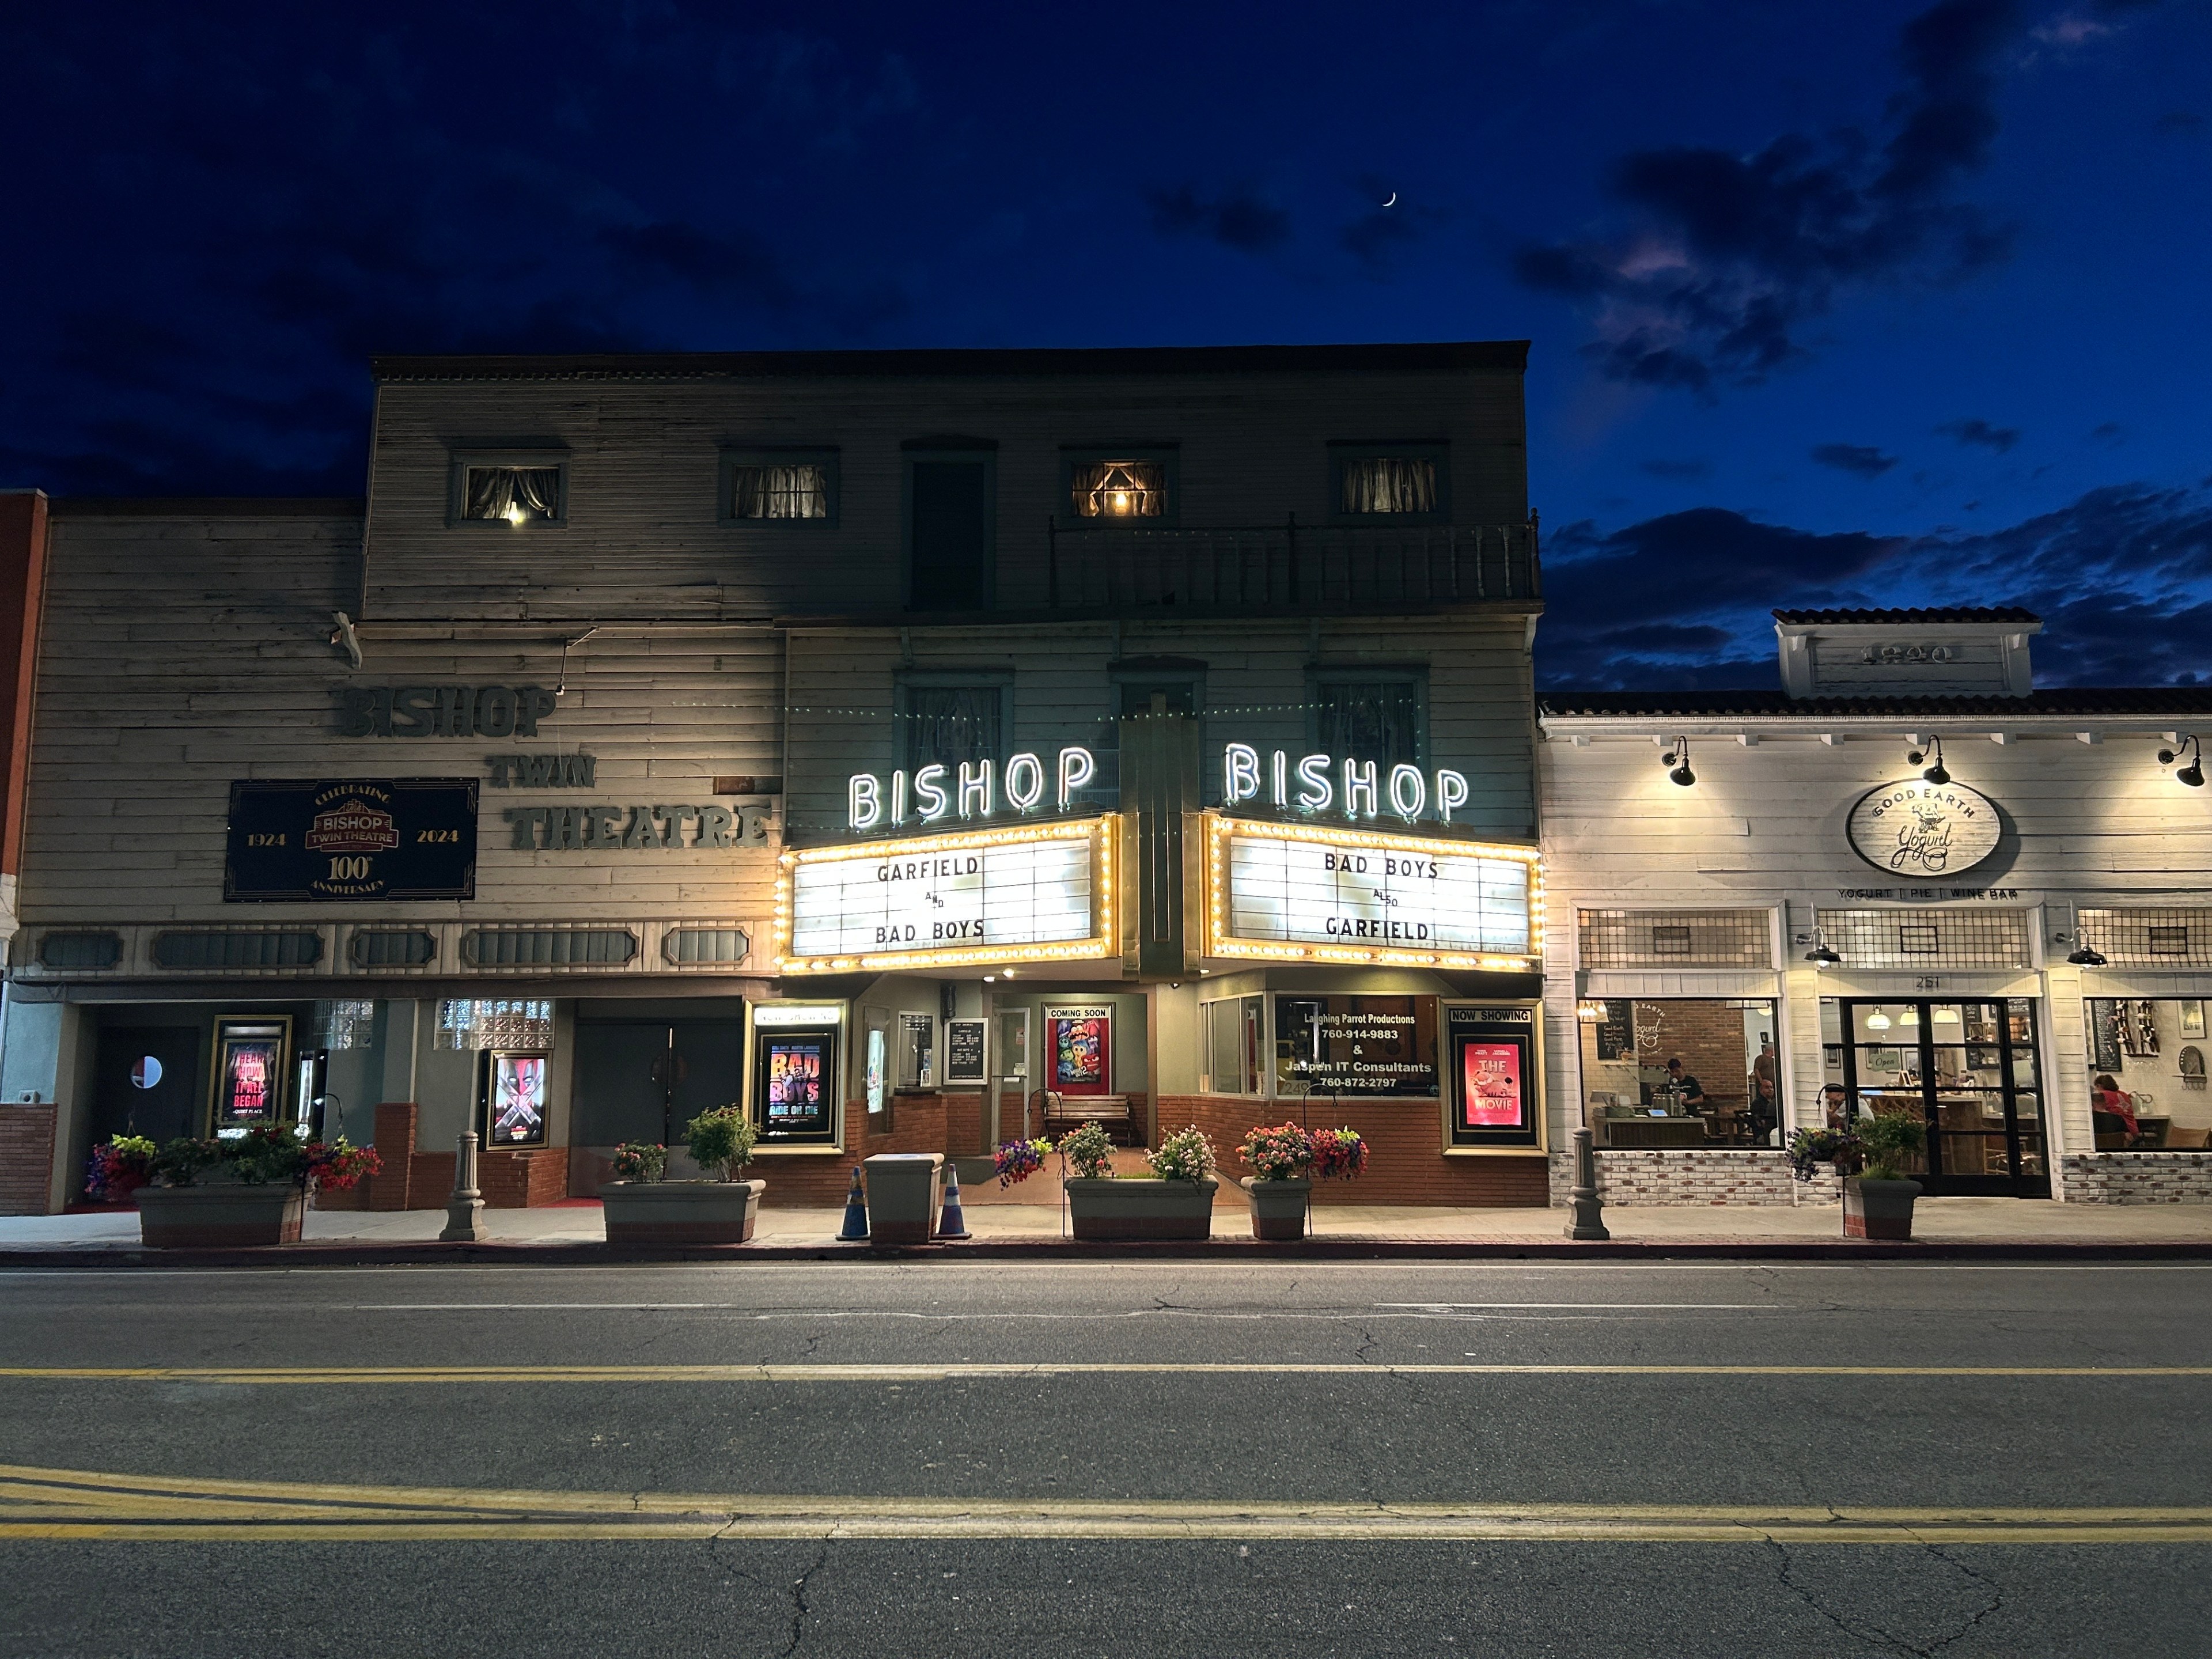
point(1234, 1037)
point(1398, 483)
point(1327, 1047)
point(1369, 715)
point(1726, 1090)
point(515, 489)
point(2148, 1069)
point(780, 486)
point(948, 721)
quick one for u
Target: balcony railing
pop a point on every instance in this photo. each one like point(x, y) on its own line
point(1289, 566)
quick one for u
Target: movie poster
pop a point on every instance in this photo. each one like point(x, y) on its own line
point(249, 1085)
point(1490, 1076)
point(1081, 1041)
point(797, 1091)
point(518, 1100)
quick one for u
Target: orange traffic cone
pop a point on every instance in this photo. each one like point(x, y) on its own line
point(951, 1224)
point(856, 1212)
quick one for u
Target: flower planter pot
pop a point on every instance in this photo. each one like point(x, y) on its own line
point(1106, 1209)
point(1278, 1207)
point(182, 1217)
point(681, 1212)
point(1878, 1209)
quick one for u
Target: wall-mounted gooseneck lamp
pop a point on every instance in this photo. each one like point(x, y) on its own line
point(2083, 955)
point(1678, 759)
point(1937, 773)
point(2193, 774)
point(1820, 956)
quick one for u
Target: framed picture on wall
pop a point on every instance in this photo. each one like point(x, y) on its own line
point(514, 1098)
point(2192, 1017)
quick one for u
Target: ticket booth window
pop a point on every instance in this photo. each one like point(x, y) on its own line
point(917, 1051)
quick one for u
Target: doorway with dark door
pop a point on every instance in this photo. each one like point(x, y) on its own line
point(1968, 1070)
point(644, 1079)
point(147, 1081)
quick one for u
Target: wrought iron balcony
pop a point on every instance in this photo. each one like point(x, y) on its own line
point(1290, 567)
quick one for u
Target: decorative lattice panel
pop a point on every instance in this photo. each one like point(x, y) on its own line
point(1929, 938)
point(2173, 937)
point(1675, 939)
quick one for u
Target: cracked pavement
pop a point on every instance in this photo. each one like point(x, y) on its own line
point(1339, 1417)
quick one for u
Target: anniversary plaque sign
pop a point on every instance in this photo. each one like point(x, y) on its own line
point(357, 838)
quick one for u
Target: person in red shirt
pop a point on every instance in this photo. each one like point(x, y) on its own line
point(2105, 1095)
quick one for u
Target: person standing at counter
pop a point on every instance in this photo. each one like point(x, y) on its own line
point(1687, 1091)
point(1764, 1090)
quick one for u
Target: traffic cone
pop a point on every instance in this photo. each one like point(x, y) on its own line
point(951, 1224)
point(856, 1212)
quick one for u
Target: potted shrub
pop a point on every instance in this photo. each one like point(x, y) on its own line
point(1878, 1200)
point(1279, 1185)
point(1174, 1198)
point(641, 1208)
point(244, 1189)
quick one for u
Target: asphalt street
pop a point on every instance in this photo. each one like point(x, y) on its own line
point(1134, 1459)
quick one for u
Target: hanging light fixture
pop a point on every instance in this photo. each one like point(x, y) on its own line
point(1946, 1016)
point(1588, 1011)
point(1936, 773)
point(1909, 1016)
point(1820, 956)
point(2193, 774)
point(1877, 1021)
point(1681, 773)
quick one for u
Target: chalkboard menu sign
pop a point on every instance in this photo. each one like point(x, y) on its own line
point(963, 1051)
point(1616, 1031)
point(358, 838)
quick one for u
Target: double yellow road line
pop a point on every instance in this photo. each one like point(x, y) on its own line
point(76, 1504)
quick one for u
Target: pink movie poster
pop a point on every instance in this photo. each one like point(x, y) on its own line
point(1491, 1081)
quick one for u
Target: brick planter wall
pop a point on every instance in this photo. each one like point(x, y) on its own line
point(1669, 1177)
point(2137, 1177)
point(27, 1158)
point(515, 1178)
point(1404, 1163)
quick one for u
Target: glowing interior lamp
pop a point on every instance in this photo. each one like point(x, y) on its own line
point(1909, 1016)
point(1946, 1017)
point(1119, 494)
point(1877, 1021)
point(1590, 1013)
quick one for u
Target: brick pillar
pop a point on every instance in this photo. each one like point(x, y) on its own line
point(27, 1158)
point(395, 1145)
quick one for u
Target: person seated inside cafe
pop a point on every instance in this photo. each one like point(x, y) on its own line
point(1835, 1107)
point(2108, 1099)
point(1686, 1090)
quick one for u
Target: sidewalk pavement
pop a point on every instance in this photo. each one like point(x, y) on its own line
point(572, 1232)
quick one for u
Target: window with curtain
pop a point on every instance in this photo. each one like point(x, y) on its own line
point(1365, 719)
point(946, 724)
point(1110, 490)
point(1388, 484)
point(519, 494)
point(799, 490)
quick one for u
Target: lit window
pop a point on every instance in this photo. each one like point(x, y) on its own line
point(1119, 489)
point(519, 495)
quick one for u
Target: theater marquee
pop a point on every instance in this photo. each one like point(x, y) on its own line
point(1309, 893)
point(1038, 892)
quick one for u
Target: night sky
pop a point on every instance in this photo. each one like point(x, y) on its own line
point(1830, 305)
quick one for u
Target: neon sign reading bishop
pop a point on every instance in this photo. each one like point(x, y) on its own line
point(1409, 790)
point(970, 792)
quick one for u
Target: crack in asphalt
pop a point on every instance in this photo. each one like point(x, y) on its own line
point(799, 1608)
point(1995, 1602)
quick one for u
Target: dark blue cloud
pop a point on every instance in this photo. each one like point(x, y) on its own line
point(1730, 255)
point(1999, 438)
point(1240, 219)
point(1860, 460)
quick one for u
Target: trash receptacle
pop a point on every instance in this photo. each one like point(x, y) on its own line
point(904, 1192)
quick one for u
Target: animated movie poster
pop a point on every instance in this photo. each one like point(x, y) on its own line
point(1081, 1047)
point(518, 1100)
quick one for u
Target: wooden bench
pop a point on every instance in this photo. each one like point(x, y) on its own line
point(1070, 1111)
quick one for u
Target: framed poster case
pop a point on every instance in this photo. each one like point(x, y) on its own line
point(1078, 1049)
point(252, 1056)
point(1493, 1094)
point(514, 1095)
point(797, 1085)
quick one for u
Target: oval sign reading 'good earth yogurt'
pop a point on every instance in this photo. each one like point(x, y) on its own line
point(1917, 828)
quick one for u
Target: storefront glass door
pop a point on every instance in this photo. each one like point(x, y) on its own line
point(1969, 1070)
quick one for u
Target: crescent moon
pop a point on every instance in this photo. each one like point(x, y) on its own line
point(1393, 202)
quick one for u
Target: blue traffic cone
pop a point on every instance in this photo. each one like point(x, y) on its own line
point(856, 1212)
point(951, 1224)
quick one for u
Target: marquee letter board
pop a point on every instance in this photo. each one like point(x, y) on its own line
point(360, 838)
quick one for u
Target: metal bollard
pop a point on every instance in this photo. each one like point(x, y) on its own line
point(464, 1208)
point(1585, 1217)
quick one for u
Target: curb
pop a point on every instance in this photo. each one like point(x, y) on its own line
point(1245, 1252)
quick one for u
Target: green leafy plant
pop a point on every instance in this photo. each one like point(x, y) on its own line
point(180, 1159)
point(1890, 1138)
point(1284, 1152)
point(263, 1157)
point(639, 1160)
point(1186, 1155)
point(1812, 1147)
point(1090, 1151)
point(721, 1140)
